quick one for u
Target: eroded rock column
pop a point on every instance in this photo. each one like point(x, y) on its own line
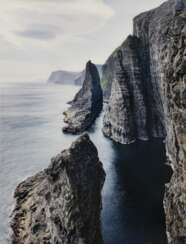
point(87, 104)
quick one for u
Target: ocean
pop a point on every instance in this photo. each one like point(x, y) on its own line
point(30, 135)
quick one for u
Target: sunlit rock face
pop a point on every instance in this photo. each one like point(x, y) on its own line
point(87, 103)
point(159, 60)
point(62, 204)
point(133, 111)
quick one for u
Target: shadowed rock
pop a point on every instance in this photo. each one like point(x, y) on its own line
point(162, 32)
point(152, 78)
point(81, 78)
point(62, 204)
point(87, 103)
point(132, 112)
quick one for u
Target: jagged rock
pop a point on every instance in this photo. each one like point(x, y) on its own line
point(81, 78)
point(133, 112)
point(62, 204)
point(87, 103)
point(163, 34)
point(160, 65)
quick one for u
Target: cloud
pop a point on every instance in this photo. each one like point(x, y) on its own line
point(39, 32)
point(39, 36)
point(68, 18)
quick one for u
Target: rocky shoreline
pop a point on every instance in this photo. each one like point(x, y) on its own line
point(146, 92)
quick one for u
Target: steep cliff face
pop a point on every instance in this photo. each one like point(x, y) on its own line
point(108, 74)
point(87, 103)
point(62, 204)
point(133, 111)
point(163, 34)
point(81, 78)
point(160, 64)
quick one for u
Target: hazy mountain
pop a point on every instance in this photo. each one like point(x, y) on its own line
point(63, 77)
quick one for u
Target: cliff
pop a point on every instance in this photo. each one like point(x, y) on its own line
point(87, 103)
point(62, 204)
point(64, 77)
point(163, 34)
point(148, 73)
point(81, 78)
point(108, 73)
point(133, 111)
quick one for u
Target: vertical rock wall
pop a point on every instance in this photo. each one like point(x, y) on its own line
point(133, 112)
point(152, 78)
point(163, 32)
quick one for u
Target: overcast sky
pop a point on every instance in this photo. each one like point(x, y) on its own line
point(39, 36)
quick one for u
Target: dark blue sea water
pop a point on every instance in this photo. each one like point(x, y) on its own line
point(30, 134)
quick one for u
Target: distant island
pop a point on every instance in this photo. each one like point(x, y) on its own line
point(64, 77)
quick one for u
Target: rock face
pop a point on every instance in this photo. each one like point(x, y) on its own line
point(87, 103)
point(135, 109)
point(81, 78)
point(155, 68)
point(62, 204)
point(163, 34)
point(108, 75)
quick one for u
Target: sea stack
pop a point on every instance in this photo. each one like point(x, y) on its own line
point(87, 104)
point(62, 204)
